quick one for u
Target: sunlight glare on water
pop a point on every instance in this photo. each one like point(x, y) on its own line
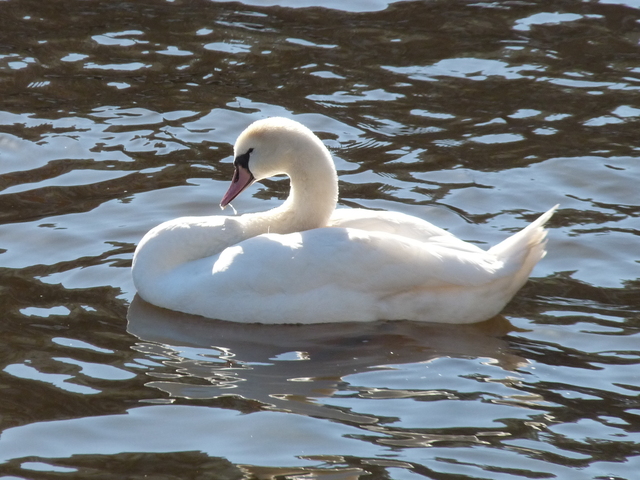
point(477, 116)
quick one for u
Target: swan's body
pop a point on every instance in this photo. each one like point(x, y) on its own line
point(306, 262)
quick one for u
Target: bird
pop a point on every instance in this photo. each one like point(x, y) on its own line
point(306, 261)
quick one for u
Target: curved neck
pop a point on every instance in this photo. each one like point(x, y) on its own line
point(312, 199)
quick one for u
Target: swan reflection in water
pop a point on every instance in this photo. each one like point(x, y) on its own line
point(286, 367)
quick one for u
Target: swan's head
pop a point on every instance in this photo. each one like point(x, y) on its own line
point(270, 147)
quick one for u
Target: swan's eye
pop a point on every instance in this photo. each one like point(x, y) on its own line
point(243, 160)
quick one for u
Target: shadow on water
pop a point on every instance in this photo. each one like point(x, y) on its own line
point(287, 366)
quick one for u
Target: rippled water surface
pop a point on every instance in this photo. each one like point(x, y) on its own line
point(478, 116)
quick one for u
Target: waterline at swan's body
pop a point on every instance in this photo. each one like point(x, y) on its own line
point(306, 262)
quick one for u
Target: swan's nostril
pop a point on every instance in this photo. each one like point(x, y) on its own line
point(241, 179)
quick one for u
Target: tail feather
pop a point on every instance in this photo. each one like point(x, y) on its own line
point(524, 249)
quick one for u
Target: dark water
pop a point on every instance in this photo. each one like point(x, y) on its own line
point(478, 116)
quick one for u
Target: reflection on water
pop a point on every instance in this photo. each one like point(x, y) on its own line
point(476, 116)
point(299, 361)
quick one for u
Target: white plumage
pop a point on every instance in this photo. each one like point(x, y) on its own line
point(306, 262)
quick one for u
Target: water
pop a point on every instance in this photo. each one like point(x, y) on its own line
point(477, 116)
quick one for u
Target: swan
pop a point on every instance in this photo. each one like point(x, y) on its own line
point(307, 262)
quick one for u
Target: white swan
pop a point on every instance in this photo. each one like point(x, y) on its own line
point(306, 262)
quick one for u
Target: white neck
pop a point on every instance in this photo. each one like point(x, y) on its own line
point(313, 194)
point(312, 199)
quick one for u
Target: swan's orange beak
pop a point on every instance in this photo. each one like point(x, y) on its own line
point(242, 178)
